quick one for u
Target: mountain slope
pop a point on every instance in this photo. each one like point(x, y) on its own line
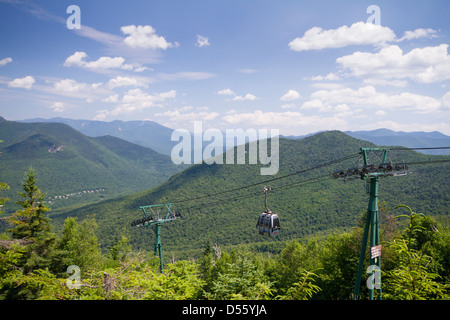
point(305, 206)
point(145, 133)
point(157, 137)
point(73, 168)
point(387, 137)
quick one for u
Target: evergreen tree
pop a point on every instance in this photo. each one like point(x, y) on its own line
point(206, 266)
point(3, 200)
point(121, 247)
point(34, 228)
point(80, 244)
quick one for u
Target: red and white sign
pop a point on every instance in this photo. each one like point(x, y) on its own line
point(375, 251)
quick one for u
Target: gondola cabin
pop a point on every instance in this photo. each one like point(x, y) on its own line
point(268, 222)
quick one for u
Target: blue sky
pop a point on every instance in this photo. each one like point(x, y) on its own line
point(296, 66)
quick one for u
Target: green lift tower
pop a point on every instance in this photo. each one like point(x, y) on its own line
point(371, 173)
point(155, 215)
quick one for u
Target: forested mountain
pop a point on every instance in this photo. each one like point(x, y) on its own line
point(145, 133)
point(305, 206)
point(73, 168)
point(157, 137)
point(387, 137)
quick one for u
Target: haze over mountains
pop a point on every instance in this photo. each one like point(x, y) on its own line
point(145, 133)
point(138, 132)
point(74, 168)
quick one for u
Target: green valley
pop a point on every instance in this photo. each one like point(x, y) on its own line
point(308, 203)
point(74, 168)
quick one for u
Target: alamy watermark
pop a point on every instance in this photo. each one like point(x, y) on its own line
point(74, 20)
point(74, 281)
point(374, 279)
point(375, 18)
point(191, 148)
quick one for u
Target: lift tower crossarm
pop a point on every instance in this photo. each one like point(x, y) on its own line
point(156, 218)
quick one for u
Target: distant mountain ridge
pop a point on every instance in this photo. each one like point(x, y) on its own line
point(144, 133)
point(68, 162)
point(157, 137)
point(386, 137)
point(418, 139)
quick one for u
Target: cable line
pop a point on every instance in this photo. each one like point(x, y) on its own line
point(258, 193)
point(270, 180)
point(420, 148)
point(277, 188)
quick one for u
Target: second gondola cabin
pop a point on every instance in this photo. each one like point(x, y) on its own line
point(268, 222)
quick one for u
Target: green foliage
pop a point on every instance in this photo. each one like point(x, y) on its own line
point(304, 289)
point(8, 261)
point(32, 226)
point(3, 186)
point(121, 247)
point(411, 278)
point(81, 244)
point(240, 279)
point(137, 279)
point(37, 285)
point(315, 269)
point(75, 169)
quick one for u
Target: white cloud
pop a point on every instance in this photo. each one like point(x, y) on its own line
point(380, 113)
point(26, 82)
point(423, 65)
point(80, 90)
point(227, 91)
point(247, 71)
point(186, 75)
point(5, 61)
point(289, 122)
point(57, 107)
point(145, 37)
point(112, 98)
point(177, 117)
point(359, 33)
point(329, 77)
point(135, 100)
point(70, 86)
point(120, 81)
point(446, 101)
point(248, 97)
point(102, 63)
point(109, 63)
point(327, 85)
point(368, 97)
point(288, 106)
point(202, 41)
point(290, 96)
point(76, 59)
point(99, 36)
point(418, 33)
point(313, 104)
point(384, 82)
